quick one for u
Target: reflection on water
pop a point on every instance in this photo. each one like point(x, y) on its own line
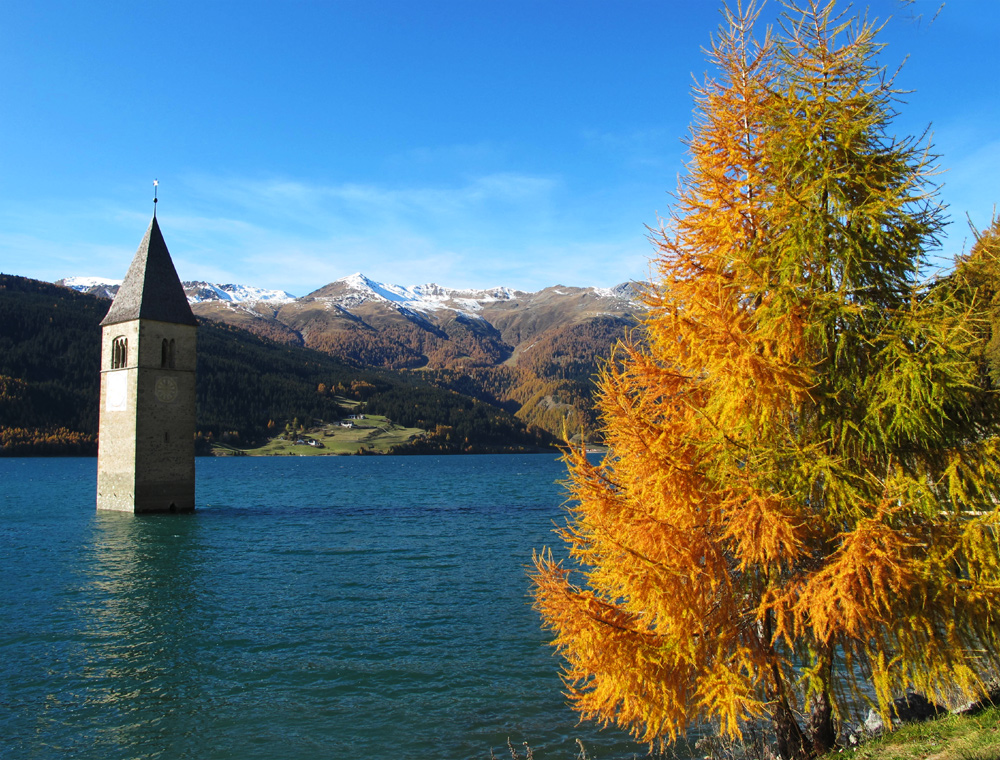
point(359, 607)
point(141, 629)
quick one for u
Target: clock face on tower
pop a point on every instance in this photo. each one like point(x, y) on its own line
point(166, 389)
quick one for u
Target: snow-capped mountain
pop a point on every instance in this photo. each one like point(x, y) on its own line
point(96, 286)
point(196, 291)
point(435, 326)
point(531, 351)
point(379, 324)
point(356, 289)
point(207, 291)
point(82, 283)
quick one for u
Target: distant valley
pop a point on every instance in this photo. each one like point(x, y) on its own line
point(249, 391)
point(531, 354)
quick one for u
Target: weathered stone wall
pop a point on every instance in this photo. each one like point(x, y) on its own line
point(116, 432)
point(146, 452)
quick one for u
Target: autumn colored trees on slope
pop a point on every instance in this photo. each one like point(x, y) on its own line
point(799, 486)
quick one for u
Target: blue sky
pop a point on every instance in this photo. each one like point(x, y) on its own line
point(470, 143)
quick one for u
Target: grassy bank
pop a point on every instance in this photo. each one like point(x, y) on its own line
point(950, 737)
point(372, 433)
point(953, 737)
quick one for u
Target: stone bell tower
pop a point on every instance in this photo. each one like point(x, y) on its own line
point(145, 459)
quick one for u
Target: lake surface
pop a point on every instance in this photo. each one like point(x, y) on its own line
point(313, 607)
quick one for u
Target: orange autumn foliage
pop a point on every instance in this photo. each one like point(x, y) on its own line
point(802, 461)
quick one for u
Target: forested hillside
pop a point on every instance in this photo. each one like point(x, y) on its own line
point(247, 385)
point(50, 346)
point(533, 354)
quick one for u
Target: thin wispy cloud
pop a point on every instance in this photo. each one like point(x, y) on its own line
point(466, 234)
point(493, 146)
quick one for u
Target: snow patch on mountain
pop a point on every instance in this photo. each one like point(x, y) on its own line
point(629, 291)
point(356, 289)
point(83, 283)
point(419, 298)
point(197, 292)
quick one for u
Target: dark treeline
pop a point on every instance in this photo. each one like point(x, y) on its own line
point(247, 385)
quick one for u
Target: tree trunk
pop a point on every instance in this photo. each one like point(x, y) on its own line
point(791, 742)
point(790, 739)
point(822, 734)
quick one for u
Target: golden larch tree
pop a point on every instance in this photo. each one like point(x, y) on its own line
point(798, 491)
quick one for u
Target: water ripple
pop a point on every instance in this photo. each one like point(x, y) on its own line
point(310, 608)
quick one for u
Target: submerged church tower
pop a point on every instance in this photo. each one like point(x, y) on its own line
point(145, 459)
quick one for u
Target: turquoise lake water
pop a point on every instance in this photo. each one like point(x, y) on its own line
point(313, 607)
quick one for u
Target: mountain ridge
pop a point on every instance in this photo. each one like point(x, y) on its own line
point(534, 353)
point(382, 324)
point(248, 389)
point(195, 290)
point(427, 297)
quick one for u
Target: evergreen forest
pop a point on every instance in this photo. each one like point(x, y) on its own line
point(247, 385)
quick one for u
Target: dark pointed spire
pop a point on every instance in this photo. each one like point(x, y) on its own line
point(151, 289)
